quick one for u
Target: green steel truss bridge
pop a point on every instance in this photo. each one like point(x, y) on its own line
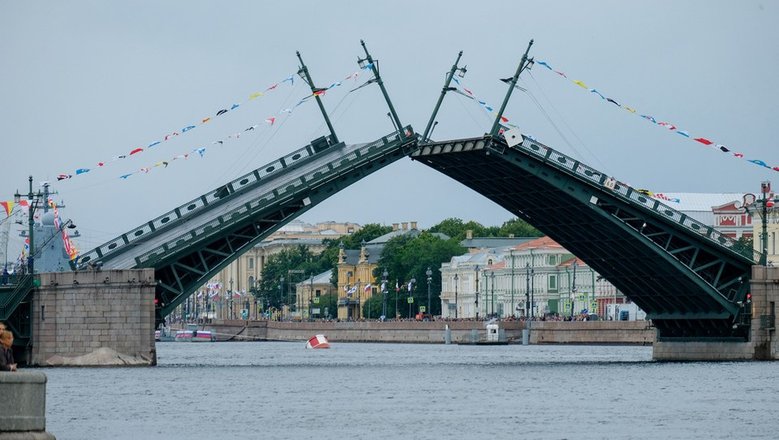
point(691, 280)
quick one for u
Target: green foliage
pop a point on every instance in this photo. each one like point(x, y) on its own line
point(272, 290)
point(354, 241)
point(328, 302)
point(455, 228)
point(518, 228)
point(407, 258)
point(275, 293)
point(744, 245)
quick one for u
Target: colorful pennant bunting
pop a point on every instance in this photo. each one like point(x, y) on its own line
point(668, 125)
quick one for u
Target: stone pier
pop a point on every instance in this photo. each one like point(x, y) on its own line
point(23, 416)
point(94, 318)
point(762, 344)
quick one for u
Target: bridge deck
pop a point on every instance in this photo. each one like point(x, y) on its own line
point(686, 275)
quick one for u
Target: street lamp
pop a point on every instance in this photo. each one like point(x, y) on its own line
point(456, 277)
point(310, 295)
point(429, 274)
point(477, 292)
point(573, 288)
point(511, 252)
point(527, 291)
point(231, 299)
point(349, 311)
point(281, 292)
point(492, 276)
point(762, 209)
point(411, 297)
point(384, 276)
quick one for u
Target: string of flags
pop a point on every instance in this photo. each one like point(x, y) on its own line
point(70, 248)
point(201, 150)
point(669, 126)
point(175, 133)
point(487, 107)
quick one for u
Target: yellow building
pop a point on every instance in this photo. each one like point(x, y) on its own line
point(309, 291)
point(242, 274)
point(356, 283)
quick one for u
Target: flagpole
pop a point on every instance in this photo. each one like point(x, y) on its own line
point(304, 71)
point(496, 124)
point(445, 89)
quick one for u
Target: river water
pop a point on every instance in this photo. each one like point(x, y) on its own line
point(274, 390)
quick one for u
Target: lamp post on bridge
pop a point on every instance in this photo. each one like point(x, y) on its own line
point(761, 206)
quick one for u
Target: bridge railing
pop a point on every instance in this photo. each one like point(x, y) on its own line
point(626, 192)
point(196, 205)
point(358, 156)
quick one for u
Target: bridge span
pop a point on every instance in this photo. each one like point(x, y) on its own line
point(194, 241)
point(691, 280)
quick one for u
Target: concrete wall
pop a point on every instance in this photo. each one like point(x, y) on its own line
point(591, 332)
point(762, 344)
point(24, 406)
point(94, 318)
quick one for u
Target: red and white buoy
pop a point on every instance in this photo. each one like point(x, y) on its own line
point(318, 341)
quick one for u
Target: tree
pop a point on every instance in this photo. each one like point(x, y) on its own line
point(456, 228)
point(518, 228)
point(407, 258)
point(353, 241)
point(744, 245)
point(272, 290)
point(328, 305)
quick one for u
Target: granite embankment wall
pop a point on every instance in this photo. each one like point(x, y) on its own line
point(94, 318)
point(432, 332)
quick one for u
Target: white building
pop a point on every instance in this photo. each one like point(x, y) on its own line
point(505, 282)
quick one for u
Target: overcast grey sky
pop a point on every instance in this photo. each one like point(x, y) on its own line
point(84, 81)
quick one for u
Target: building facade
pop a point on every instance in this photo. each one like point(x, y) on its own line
point(240, 276)
point(538, 278)
point(309, 291)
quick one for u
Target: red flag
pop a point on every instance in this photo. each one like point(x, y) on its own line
point(704, 141)
point(137, 150)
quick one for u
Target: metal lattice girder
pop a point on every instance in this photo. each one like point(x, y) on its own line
point(192, 243)
point(688, 277)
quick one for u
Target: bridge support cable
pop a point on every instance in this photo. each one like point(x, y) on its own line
point(429, 129)
point(689, 278)
point(303, 72)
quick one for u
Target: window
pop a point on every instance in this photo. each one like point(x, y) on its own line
point(251, 262)
point(552, 260)
point(552, 283)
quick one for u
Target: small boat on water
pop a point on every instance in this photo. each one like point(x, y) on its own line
point(195, 336)
point(191, 334)
point(318, 341)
